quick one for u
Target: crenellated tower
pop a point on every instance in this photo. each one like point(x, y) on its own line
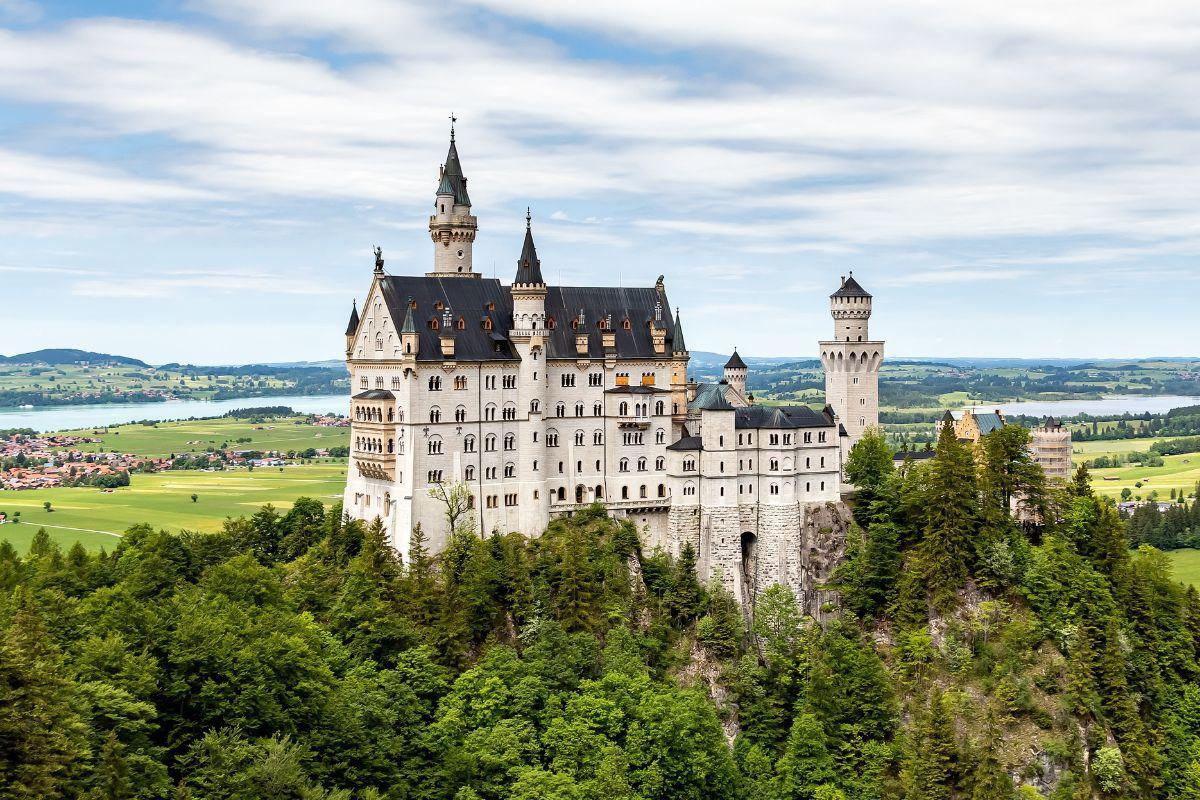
point(452, 225)
point(851, 361)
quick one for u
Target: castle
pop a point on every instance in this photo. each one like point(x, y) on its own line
point(542, 400)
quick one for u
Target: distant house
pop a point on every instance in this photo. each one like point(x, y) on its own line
point(1050, 442)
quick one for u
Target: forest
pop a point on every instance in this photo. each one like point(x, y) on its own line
point(974, 653)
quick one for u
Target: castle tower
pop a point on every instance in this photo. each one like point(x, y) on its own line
point(735, 373)
point(452, 226)
point(851, 361)
point(528, 336)
point(352, 328)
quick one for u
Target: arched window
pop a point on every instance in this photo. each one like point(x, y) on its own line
point(660, 436)
point(597, 437)
point(510, 441)
point(623, 465)
point(597, 410)
point(579, 409)
point(510, 470)
point(460, 414)
point(599, 491)
point(642, 491)
point(660, 407)
point(469, 444)
point(662, 490)
point(624, 492)
point(435, 383)
point(624, 409)
point(560, 410)
point(379, 341)
point(534, 406)
point(579, 437)
point(642, 464)
point(469, 473)
point(435, 414)
point(489, 443)
point(660, 463)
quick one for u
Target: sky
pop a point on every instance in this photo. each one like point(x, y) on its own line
point(204, 181)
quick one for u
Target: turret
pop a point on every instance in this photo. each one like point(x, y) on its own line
point(452, 226)
point(735, 373)
point(658, 331)
point(528, 287)
point(410, 341)
point(851, 309)
point(352, 327)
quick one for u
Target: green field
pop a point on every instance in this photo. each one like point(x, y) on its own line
point(164, 438)
point(1186, 565)
point(1178, 473)
point(163, 499)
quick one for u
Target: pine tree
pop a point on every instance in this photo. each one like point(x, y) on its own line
point(932, 768)
point(1081, 696)
point(1120, 710)
point(686, 597)
point(112, 773)
point(990, 781)
point(805, 764)
point(951, 519)
point(1081, 483)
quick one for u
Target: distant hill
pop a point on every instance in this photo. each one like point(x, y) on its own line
point(59, 356)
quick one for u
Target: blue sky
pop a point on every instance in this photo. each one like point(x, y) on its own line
point(204, 181)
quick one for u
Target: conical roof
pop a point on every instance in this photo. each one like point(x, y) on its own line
point(453, 181)
point(529, 266)
point(850, 288)
point(409, 326)
point(735, 362)
point(678, 345)
point(352, 326)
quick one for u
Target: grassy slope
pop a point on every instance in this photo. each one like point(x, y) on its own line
point(196, 435)
point(164, 500)
point(1187, 565)
point(69, 378)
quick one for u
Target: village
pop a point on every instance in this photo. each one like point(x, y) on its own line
point(31, 460)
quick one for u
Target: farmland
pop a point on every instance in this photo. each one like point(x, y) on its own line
point(164, 438)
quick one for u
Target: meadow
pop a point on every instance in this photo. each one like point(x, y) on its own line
point(194, 436)
point(1186, 566)
point(163, 499)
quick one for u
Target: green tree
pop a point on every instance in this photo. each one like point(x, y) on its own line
point(931, 769)
point(805, 764)
point(950, 513)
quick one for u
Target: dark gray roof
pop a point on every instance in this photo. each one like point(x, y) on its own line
point(563, 304)
point(850, 288)
point(914, 455)
point(781, 417)
point(529, 266)
point(479, 300)
point(374, 394)
point(474, 300)
point(704, 394)
point(352, 326)
point(688, 443)
point(453, 181)
point(735, 362)
point(988, 421)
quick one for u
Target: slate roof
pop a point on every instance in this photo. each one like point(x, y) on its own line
point(352, 326)
point(374, 394)
point(477, 300)
point(735, 362)
point(677, 343)
point(781, 417)
point(529, 266)
point(563, 304)
point(474, 300)
point(687, 443)
point(704, 394)
point(453, 181)
point(850, 288)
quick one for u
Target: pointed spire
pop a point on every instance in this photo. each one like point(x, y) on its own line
point(452, 179)
point(735, 361)
point(529, 266)
point(352, 326)
point(677, 344)
point(409, 326)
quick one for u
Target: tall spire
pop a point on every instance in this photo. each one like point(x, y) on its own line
point(529, 266)
point(453, 182)
point(677, 344)
point(352, 326)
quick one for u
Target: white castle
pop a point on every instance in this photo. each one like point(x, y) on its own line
point(543, 400)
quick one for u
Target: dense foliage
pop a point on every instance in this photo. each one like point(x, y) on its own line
point(295, 656)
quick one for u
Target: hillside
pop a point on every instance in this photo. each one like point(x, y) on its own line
point(295, 656)
point(55, 357)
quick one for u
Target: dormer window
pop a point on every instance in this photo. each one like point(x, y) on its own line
point(551, 323)
point(433, 324)
point(439, 305)
point(627, 325)
point(412, 304)
point(487, 323)
point(461, 324)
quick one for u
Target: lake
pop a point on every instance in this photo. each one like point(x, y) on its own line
point(59, 418)
point(1116, 404)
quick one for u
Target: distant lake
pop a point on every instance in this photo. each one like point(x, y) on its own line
point(1115, 404)
point(60, 418)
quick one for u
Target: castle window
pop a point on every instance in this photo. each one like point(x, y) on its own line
point(391, 446)
point(510, 441)
point(435, 476)
point(624, 492)
point(821, 436)
point(461, 324)
point(822, 486)
point(395, 382)
point(808, 463)
point(623, 409)
point(642, 491)
point(627, 325)
point(510, 470)
point(535, 466)
point(439, 306)
point(469, 444)
point(787, 438)
point(552, 439)
point(435, 414)
point(460, 414)
point(434, 447)
point(660, 436)
point(579, 409)
point(534, 406)
point(567, 379)
point(595, 379)
point(822, 464)
point(597, 437)
point(487, 323)
point(660, 463)
point(774, 467)
point(660, 408)
point(662, 490)
point(597, 410)
point(774, 488)
point(579, 437)
point(599, 491)
point(469, 473)
point(363, 383)
point(774, 438)
point(641, 465)
point(720, 441)
point(489, 412)
point(460, 382)
point(510, 412)
point(551, 323)
point(433, 324)
point(808, 487)
point(435, 383)
point(622, 379)
point(378, 341)
point(379, 383)
point(862, 401)
point(689, 465)
point(739, 438)
point(623, 465)
point(489, 443)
